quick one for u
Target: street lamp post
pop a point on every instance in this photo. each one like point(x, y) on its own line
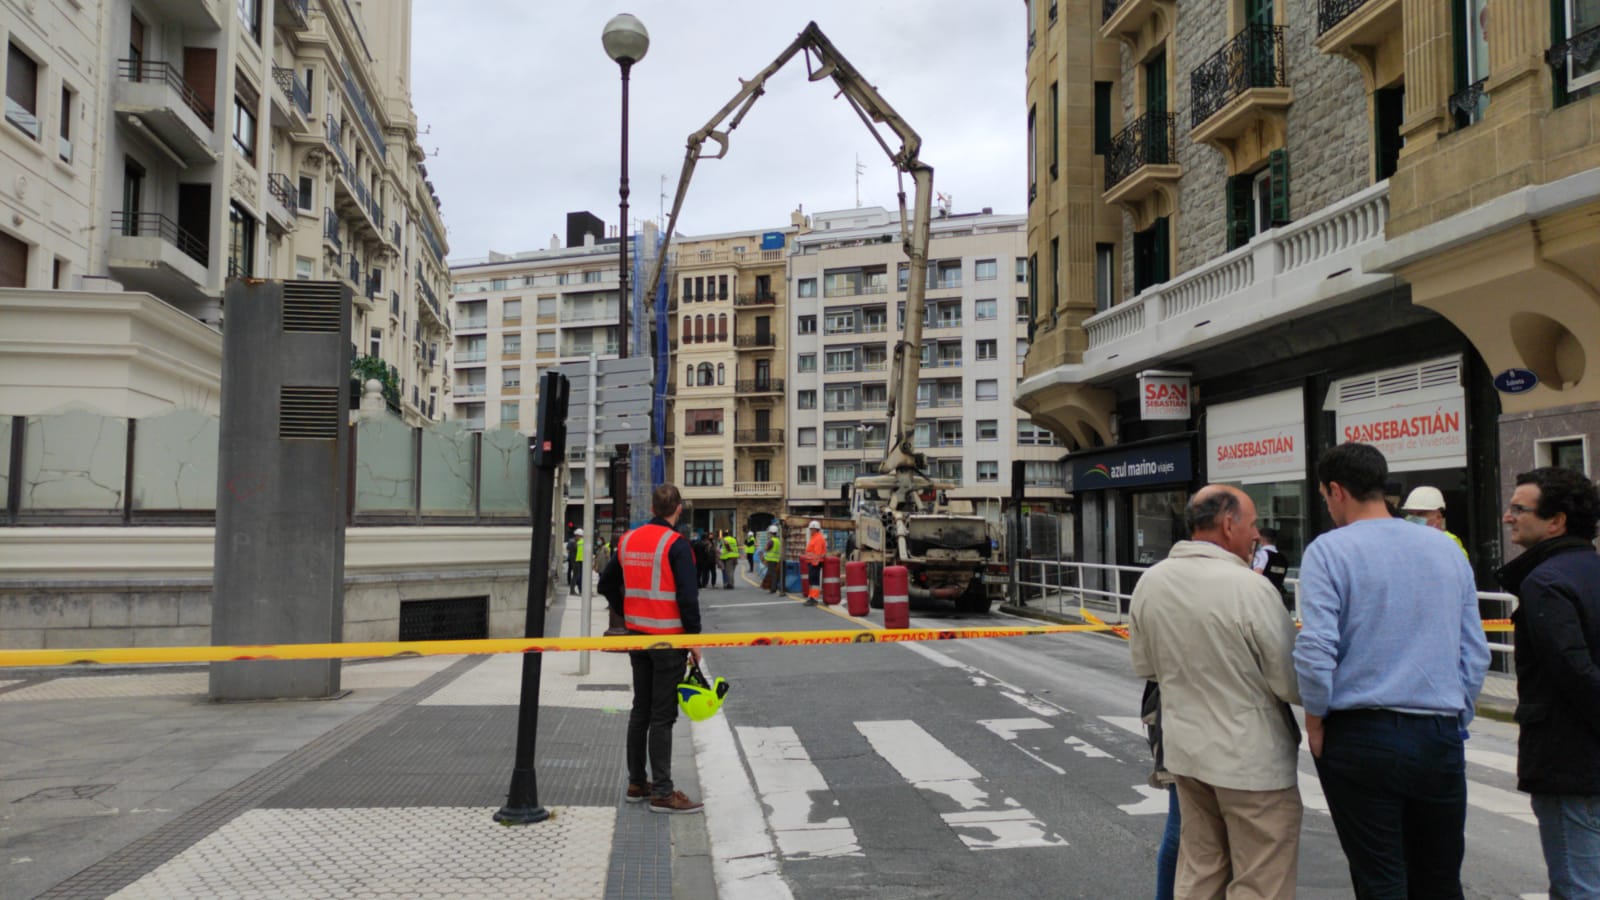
point(626, 41)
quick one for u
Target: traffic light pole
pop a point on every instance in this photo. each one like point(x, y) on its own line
point(522, 801)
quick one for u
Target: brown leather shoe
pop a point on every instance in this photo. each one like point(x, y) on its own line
point(677, 804)
point(639, 793)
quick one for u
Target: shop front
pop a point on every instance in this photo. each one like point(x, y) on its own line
point(1259, 445)
point(1129, 500)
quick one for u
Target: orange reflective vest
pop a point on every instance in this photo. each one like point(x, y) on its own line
point(649, 592)
point(816, 548)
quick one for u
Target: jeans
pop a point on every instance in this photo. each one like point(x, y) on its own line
point(1167, 856)
point(1569, 830)
point(1397, 790)
point(729, 567)
point(656, 674)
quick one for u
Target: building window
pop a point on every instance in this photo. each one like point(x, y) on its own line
point(806, 287)
point(546, 342)
point(807, 363)
point(703, 421)
point(705, 375)
point(722, 287)
point(375, 340)
point(250, 14)
point(1580, 71)
point(1022, 270)
point(808, 324)
point(307, 196)
point(1027, 306)
point(721, 375)
point(244, 127)
point(806, 437)
point(984, 310)
point(988, 470)
point(806, 399)
point(64, 146)
point(987, 389)
point(1033, 153)
point(988, 429)
point(511, 345)
point(593, 276)
point(702, 473)
point(1471, 56)
point(986, 270)
point(840, 323)
point(1105, 269)
point(1102, 117)
point(499, 284)
point(1389, 109)
point(511, 377)
point(987, 350)
point(1258, 200)
point(841, 360)
point(1151, 255)
point(806, 475)
point(547, 307)
point(508, 414)
point(304, 268)
point(1031, 435)
point(511, 312)
point(1563, 453)
point(241, 242)
point(1055, 129)
point(22, 91)
point(13, 262)
point(838, 474)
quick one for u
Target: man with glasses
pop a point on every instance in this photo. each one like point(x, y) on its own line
point(1552, 517)
point(1390, 660)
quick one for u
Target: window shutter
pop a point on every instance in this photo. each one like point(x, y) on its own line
point(1278, 164)
point(1458, 42)
point(1238, 209)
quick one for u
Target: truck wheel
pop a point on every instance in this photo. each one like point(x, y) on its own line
point(975, 600)
point(874, 586)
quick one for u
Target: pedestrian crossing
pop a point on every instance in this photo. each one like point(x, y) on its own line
point(807, 820)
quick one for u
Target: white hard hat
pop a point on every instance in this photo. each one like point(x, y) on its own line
point(579, 532)
point(815, 524)
point(752, 534)
point(1424, 498)
point(773, 529)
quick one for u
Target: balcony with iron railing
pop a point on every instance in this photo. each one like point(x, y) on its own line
point(296, 14)
point(157, 96)
point(1142, 159)
point(358, 101)
point(282, 198)
point(148, 246)
point(298, 99)
point(752, 341)
point(856, 290)
point(756, 386)
point(1574, 61)
point(758, 436)
point(1241, 86)
point(1357, 28)
point(330, 230)
point(1128, 18)
point(758, 298)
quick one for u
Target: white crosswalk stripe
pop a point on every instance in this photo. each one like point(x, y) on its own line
point(795, 792)
point(985, 820)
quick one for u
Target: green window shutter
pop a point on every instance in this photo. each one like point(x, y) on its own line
point(1161, 264)
point(1458, 42)
point(1239, 210)
point(1278, 163)
point(1102, 117)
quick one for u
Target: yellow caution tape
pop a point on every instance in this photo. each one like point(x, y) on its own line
point(370, 649)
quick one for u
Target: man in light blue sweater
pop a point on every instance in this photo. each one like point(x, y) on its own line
point(1390, 660)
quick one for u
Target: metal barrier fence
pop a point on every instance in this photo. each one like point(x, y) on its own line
point(1068, 588)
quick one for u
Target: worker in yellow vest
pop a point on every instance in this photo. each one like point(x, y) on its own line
point(750, 551)
point(730, 559)
point(774, 560)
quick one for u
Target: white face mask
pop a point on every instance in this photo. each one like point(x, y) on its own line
point(1417, 520)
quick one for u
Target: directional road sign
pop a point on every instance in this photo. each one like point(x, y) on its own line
point(622, 392)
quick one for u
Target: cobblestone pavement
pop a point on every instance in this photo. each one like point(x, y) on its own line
point(130, 784)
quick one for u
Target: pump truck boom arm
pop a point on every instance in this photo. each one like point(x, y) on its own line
point(823, 61)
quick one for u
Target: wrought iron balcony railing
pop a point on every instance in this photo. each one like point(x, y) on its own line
point(759, 386)
point(1147, 141)
point(1253, 58)
point(1467, 105)
point(1332, 12)
point(151, 70)
point(146, 224)
point(759, 298)
point(758, 436)
point(290, 82)
point(1575, 56)
point(755, 340)
point(330, 229)
point(280, 187)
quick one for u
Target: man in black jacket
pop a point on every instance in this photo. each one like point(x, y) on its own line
point(1552, 516)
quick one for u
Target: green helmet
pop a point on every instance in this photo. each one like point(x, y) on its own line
point(699, 700)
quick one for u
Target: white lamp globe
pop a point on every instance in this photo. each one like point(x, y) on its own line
point(625, 39)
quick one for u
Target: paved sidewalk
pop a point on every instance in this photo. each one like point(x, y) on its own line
point(132, 784)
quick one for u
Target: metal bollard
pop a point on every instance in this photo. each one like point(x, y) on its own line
point(830, 580)
point(855, 588)
point(896, 597)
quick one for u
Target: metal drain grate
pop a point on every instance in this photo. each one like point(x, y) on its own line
point(451, 619)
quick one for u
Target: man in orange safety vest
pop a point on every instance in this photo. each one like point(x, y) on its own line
point(816, 549)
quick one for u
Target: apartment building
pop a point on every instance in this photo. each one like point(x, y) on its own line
point(154, 150)
point(516, 314)
point(1258, 229)
point(848, 276)
point(726, 313)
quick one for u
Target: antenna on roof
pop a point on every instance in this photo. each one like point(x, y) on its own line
point(859, 169)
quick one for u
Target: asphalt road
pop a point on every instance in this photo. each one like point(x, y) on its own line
point(1009, 767)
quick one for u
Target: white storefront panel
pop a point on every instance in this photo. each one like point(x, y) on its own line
point(1416, 415)
point(1259, 440)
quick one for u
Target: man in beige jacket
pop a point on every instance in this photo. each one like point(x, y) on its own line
point(1215, 636)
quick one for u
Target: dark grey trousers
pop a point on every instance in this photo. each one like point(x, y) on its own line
point(656, 674)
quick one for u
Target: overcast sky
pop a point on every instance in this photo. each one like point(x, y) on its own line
point(523, 107)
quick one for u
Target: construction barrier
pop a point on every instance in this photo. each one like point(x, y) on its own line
point(855, 588)
point(397, 649)
point(830, 580)
point(896, 597)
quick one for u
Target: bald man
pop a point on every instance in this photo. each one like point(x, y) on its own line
point(1215, 636)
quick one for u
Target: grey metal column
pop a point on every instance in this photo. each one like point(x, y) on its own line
point(282, 478)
